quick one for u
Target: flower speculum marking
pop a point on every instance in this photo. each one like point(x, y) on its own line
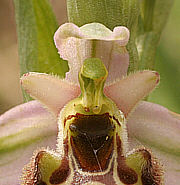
point(92, 142)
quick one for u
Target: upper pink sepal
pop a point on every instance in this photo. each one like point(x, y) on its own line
point(93, 40)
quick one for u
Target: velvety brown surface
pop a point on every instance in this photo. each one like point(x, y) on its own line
point(92, 141)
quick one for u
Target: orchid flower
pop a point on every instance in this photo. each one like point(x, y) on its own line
point(32, 125)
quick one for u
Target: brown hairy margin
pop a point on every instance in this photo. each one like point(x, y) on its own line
point(30, 173)
point(152, 172)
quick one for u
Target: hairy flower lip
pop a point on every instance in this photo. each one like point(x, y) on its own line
point(94, 73)
point(172, 166)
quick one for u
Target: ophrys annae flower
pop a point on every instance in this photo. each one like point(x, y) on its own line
point(92, 139)
point(30, 126)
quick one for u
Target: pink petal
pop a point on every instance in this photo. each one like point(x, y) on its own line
point(158, 129)
point(55, 93)
point(126, 93)
point(23, 129)
point(93, 41)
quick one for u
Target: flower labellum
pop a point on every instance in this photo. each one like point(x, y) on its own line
point(92, 142)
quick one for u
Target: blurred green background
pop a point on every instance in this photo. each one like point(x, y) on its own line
point(167, 58)
point(168, 63)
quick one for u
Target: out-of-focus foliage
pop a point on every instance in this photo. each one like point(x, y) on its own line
point(36, 25)
point(152, 20)
point(168, 64)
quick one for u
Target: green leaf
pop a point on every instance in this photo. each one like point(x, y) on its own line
point(111, 13)
point(49, 59)
point(36, 25)
point(154, 15)
point(27, 35)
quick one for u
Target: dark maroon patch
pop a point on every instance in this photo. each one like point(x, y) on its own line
point(41, 183)
point(92, 141)
point(60, 175)
point(126, 174)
